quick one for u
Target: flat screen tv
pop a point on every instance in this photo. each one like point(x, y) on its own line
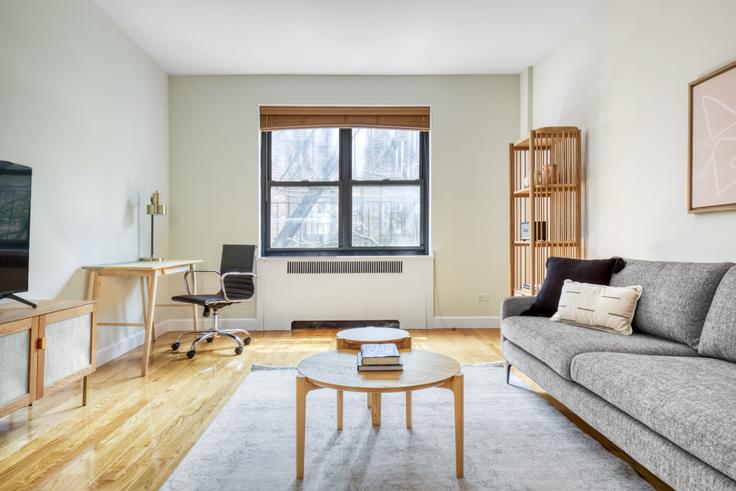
point(15, 228)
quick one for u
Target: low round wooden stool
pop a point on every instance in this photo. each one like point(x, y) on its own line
point(354, 338)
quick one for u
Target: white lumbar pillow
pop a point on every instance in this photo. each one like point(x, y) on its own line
point(602, 307)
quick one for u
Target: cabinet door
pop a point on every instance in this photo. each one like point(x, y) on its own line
point(18, 364)
point(68, 354)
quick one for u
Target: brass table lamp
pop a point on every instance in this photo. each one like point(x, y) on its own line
point(153, 209)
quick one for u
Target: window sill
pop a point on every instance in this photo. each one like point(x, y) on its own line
point(402, 257)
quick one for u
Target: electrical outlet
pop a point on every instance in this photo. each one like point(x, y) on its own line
point(482, 297)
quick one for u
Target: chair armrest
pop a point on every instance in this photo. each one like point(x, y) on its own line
point(186, 277)
point(232, 273)
point(513, 306)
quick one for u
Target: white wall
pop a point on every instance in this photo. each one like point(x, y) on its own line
point(526, 101)
point(622, 75)
point(88, 111)
point(215, 168)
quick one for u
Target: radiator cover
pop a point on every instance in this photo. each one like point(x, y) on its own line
point(311, 289)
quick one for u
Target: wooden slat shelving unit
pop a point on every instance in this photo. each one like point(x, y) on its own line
point(544, 188)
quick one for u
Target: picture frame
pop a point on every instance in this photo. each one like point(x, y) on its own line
point(712, 141)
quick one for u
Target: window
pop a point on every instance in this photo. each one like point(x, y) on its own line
point(345, 191)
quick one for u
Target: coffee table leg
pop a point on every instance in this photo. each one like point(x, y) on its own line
point(458, 393)
point(408, 409)
point(376, 409)
point(303, 387)
point(369, 399)
point(339, 410)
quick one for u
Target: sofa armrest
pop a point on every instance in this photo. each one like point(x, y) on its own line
point(513, 306)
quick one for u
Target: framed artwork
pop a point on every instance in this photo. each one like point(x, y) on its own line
point(712, 150)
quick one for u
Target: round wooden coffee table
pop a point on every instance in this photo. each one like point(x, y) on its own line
point(338, 370)
point(353, 338)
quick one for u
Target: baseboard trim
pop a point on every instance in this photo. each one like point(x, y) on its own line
point(464, 322)
point(118, 348)
point(186, 324)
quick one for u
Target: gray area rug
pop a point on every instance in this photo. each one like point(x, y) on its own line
point(513, 440)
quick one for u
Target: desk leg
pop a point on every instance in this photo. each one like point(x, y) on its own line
point(195, 316)
point(85, 390)
point(152, 288)
point(143, 304)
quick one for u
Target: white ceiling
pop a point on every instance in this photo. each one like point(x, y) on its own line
point(346, 36)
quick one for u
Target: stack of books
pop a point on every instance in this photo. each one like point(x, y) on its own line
point(379, 358)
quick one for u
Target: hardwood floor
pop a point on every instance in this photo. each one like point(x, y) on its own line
point(135, 431)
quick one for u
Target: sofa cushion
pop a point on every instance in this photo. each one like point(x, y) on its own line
point(719, 331)
point(557, 344)
point(675, 296)
point(671, 463)
point(690, 401)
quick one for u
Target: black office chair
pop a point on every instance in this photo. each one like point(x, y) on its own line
point(237, 285)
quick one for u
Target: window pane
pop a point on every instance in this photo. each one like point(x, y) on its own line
point(385, 154)
point(305, 155)
point(304, 217)
point(386, 216)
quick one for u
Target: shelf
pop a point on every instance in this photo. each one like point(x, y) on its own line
point(545, 190)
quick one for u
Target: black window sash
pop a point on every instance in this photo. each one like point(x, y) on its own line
point(345, 196)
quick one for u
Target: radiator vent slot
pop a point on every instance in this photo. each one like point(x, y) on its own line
point(345, 267)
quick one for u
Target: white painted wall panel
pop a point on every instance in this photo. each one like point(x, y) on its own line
point(285, 297)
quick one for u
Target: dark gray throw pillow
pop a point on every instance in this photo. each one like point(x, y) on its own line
point(559, 269)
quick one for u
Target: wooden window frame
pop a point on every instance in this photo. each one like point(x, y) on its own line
point(345, 185)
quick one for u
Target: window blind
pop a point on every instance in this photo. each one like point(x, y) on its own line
point(395, 117)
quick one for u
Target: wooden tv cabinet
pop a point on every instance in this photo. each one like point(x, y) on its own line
point(44, 349)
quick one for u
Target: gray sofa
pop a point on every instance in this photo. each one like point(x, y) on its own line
point(666, 395)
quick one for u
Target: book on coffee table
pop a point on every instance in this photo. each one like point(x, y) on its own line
point(379, 368)
point(379, 357)
point(379, 354)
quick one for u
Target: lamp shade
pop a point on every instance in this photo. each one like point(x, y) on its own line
point(156, 207)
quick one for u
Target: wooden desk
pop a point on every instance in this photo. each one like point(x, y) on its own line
point(149, 273)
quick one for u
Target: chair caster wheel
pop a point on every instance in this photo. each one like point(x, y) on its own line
point(209, 340)
point(247, 341)
point(175, 346)
point(238, 350)
point(191, 353)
